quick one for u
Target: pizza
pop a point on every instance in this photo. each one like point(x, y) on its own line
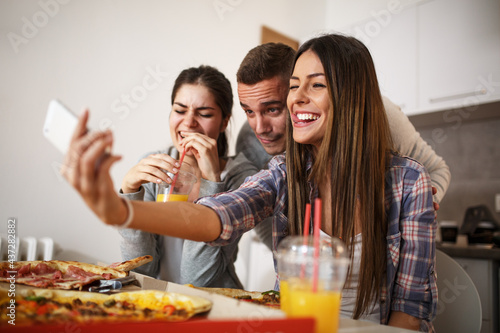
point(269, 298)
point(131, 264)
point(61, 274)
point(49, 306)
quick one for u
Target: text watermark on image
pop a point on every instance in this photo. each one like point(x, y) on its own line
point(123, 105)
point(223, 6)
point(449, 294)
point(381, 19)
point(464, 108)
point(30, 28)
point(11, 273)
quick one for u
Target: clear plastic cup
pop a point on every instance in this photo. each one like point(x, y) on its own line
point(303, 295)
point(183, 185)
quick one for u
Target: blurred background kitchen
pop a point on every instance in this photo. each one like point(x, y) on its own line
point(438, 59)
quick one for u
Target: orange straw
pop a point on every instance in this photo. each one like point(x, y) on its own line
point(307, 222)
point(176, 175)
point(317, 224)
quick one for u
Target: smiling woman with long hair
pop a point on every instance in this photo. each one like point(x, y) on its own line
point(338, 149)
point(353, 174)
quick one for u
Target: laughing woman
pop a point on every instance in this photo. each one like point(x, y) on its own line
point(202, 101)
point(339, 149)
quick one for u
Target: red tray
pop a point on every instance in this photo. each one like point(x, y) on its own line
point(303, 325)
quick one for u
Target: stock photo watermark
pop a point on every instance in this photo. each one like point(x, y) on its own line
point(122, 106)
point(449, 294)
point(32, 26)
point(380, 20)
point(224, 6)
point(463, 109)
point(11, 273)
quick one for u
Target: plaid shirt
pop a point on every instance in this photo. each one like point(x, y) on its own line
point(411, 280)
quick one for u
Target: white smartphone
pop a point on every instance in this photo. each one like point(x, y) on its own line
point(60, 123)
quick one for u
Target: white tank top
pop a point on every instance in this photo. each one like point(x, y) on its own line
point(349, 292)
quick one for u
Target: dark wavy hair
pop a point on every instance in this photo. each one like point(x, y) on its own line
point(218, 85)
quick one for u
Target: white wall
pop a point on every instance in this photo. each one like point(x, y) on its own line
point(93, 53)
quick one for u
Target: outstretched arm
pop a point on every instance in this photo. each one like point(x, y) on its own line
point(86, 168)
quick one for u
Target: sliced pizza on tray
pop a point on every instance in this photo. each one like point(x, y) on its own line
point(59, 274)
point(269, 298)
point(48, 306)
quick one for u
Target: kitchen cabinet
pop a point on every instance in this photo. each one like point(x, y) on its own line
point(482, 272)
point(435, 55)
point(482, 265)
point(458, 53)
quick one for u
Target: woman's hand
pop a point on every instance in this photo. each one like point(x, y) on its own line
point(86, 167)
point(204, 149)
point(436, 205)
point(150, 169)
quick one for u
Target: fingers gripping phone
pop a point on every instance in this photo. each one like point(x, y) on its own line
point(60, 123)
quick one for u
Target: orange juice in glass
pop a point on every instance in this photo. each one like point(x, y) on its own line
point(161, 197)
point(300, 296)
point(182, 187)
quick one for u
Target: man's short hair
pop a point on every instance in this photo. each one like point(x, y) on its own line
point(265, 62)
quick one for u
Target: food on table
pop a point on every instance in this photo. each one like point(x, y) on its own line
point(49, 306)
point(269, 298)
point(61, 274)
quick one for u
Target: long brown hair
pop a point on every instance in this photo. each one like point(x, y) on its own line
point(354, 151)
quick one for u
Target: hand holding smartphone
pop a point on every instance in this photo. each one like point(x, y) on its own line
point(96, 188)
point(60, 123)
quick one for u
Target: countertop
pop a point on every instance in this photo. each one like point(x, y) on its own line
point(471, 251)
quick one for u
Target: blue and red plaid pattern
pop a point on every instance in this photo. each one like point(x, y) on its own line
point(411, 280)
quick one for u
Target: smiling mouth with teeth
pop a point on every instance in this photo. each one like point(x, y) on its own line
point(307, 116)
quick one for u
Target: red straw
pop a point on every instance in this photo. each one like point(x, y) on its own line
point(317, 224)
point(307, 222)
point(176, 175)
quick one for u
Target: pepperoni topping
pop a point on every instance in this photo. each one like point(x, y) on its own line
point(57, 275)
point(24, 270)
point(79, 273)
point(42, 269)
point(4, 274)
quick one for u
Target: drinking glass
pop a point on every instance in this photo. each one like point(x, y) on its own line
point(183, 185)
point(311, 284)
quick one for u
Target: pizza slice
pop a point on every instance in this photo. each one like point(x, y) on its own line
point(39, 306)
point(131, 264)
point(61, 274)
point(269, 298)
